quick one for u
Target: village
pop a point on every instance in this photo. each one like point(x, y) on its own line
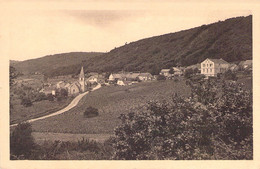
point(209, 68)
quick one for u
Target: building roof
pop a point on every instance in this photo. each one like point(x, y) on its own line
point(165, 70)
point(219, 61)
point(145, 74)
point(82, 75)
point(247, 62)
point(125, 75)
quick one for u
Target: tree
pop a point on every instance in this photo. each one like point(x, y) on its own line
point(229, 75)
point(50, 97)
point(12, 75)
point(192, 128)
point(21, 141)
point(171, 71)
point(26, 102)
point(188, 73)
point(91, 112)
point(155, 70)
point(161, 77)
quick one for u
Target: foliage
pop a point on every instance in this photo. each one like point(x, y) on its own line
point(12, 75)
point(40, 96)
point(83, 149)
point(91, 112)
point(161, 77)
point(229, 75)
point(171, 71)
point(50, 97)
point(182, 48)
point(200, 127)
point(21, 141)
point(61, 94)
point(188, 73)
point(26, 102)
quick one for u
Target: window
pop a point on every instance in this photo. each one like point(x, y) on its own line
point(210, 65)
point(203, 65)
point(207, 65)
point(207, 70)
point(210, 70)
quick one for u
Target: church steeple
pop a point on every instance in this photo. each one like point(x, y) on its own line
point(82, 80)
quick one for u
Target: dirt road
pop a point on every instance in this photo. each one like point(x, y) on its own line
point(73, 103)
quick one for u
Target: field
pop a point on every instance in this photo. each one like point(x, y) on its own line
point(38, 109)
point(111, 101)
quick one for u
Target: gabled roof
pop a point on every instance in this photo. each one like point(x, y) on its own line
point(132, 75)
point(248, 62)
point(145, 74)
point(177, 69)
point(117, 76)
point(165, 70)
point(219, 61)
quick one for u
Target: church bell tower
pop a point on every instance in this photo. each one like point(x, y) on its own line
point(82, 80)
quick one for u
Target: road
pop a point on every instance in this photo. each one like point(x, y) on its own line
point(73, 103)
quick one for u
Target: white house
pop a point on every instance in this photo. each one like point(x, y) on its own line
point(145, 76)
point(247, 64)
point(165, 72)
point(211, 67)
point(92, 79)
point(177, 71)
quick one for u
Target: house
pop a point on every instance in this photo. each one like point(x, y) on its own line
point(61, 84)
point(165, 72)
point(233, 67)
point(247, 64)
point(114, 77)
point(124, 83)
point(92, 79)
point(211, 67)
point(145, 76)
point(177, 71)
point(48, 90)
point(123, 76)
point(98, 78)
point(196, 66)
point(74, 88)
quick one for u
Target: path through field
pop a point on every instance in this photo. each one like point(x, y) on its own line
point(73, 103)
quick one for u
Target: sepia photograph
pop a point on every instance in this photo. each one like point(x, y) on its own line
point(129, 82)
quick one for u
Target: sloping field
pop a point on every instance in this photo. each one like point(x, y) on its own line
point(111, 102)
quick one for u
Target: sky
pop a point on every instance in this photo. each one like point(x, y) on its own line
point(32, 29)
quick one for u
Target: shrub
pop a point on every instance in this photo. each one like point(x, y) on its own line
point(161, 77)
point(91, 112)
point(188, 73)
point(26, 102)
point(229, 75)
point(50, 97)
point(201, 127)
point(21, 141)
point(40, 97)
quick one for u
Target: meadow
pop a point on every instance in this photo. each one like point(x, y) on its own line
point(21, 113)
point(111, 101)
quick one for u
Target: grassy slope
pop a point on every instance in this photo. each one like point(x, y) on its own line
point(111, 102)
point(38, 109)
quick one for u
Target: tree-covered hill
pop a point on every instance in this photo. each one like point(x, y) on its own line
point(230, 39)
point(52, 65)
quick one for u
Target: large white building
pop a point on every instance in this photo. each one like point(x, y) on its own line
point(211, 67)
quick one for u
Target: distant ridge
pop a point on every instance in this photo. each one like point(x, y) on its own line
point(230, 39)
point(49, 64)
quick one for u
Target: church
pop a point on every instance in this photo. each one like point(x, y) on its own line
point(79, 86)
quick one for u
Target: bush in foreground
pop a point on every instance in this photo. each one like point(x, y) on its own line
point(21, 141)
point(189, 129)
